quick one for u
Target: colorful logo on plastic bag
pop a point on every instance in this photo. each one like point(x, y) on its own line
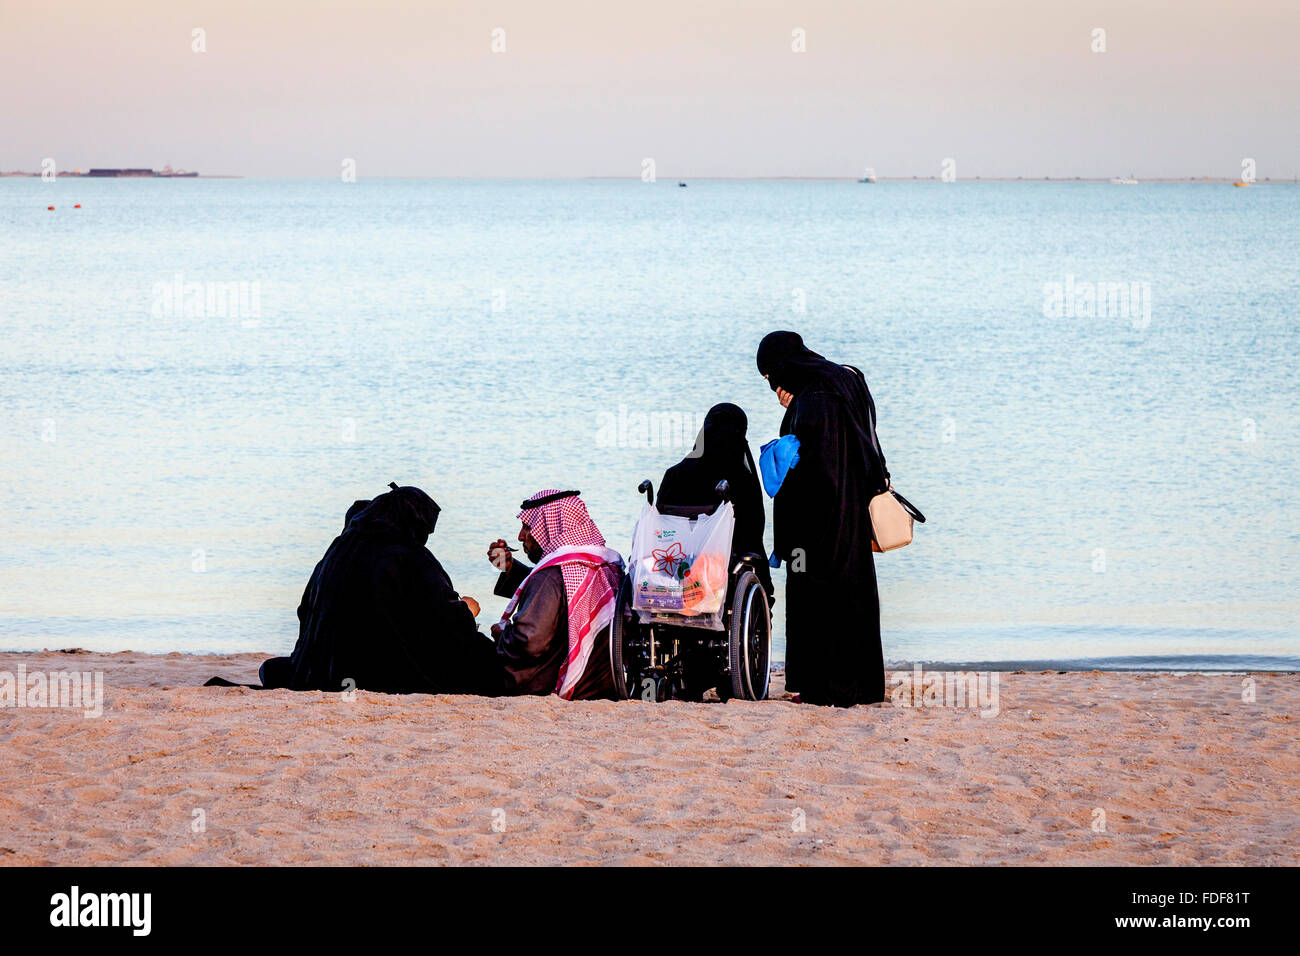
point(671, 560)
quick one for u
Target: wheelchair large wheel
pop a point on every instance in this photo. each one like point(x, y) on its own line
point(622, 655)
point(749, 639)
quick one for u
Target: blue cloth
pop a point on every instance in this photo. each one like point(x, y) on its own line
point(775, 460)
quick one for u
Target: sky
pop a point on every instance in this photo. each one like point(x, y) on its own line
point(702, 87)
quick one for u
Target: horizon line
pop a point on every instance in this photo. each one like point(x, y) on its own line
point(23, 174)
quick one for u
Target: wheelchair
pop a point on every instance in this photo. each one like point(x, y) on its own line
point(655, 656)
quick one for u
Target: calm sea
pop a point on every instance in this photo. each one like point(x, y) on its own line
point(1089, 389)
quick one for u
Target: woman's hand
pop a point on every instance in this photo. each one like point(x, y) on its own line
point(783, 397)
point(472, 605)
point(499, 554)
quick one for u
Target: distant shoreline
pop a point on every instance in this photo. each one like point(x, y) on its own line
point(19, 174)
point(1211, 180)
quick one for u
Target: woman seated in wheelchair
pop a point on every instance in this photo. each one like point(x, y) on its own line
point(721, 453)
point(698, 618)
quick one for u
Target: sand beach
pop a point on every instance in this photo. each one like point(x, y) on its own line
point(1074, 768)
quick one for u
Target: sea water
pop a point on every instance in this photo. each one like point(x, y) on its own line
point(1088, 389)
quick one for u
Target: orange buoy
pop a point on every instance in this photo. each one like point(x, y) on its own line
point(77, 206)
point(49, 207)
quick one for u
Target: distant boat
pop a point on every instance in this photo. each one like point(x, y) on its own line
point(1241, 183)
point(1122, 181)
point(869, 176)
point(682, 185)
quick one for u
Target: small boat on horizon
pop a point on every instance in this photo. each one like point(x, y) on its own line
point(869, 176)
point(1123, 181)
point(1241, 182)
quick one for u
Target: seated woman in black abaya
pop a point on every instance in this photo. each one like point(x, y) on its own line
point(721, 453)
point(380, 613)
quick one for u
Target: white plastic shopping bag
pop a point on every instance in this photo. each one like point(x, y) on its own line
point(679, 565)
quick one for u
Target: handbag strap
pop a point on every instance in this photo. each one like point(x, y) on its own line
point(909, 507)
point(875, 441)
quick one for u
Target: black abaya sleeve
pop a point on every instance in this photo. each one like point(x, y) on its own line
point(440, 649)
point(824, 500)
point(305, 607)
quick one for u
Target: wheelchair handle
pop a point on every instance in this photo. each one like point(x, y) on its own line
point(647, 489)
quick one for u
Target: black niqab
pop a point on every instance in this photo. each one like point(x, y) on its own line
point(786, 362)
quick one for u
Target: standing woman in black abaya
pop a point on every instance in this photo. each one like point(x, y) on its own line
point(822, 527)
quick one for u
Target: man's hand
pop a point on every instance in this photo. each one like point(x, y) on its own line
point(496, 631)
point(499, 554)
point(783, 397)
point(472, 605)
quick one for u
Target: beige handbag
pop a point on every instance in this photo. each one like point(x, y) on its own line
point(891, 514)
point(891, 521)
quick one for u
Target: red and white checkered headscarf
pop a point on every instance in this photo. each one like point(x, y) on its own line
point(592, 573)
point(561, 524)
